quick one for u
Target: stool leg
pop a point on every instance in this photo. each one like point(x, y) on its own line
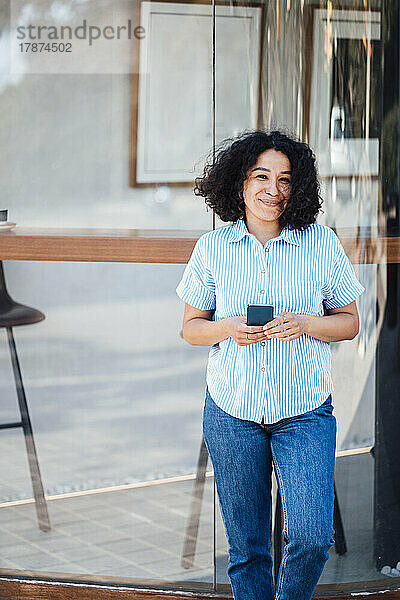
point(340, 540)
point(192, 528)
point(38, 492)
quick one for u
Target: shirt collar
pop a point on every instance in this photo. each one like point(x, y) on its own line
point(239, 230)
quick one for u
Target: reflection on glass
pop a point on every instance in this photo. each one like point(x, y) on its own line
point(356, 101)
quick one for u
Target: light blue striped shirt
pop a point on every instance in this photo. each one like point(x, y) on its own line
point(298, 272)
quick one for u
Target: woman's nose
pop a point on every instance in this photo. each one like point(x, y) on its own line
point(271, 187)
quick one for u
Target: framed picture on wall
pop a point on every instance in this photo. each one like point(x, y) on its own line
point(172, 99)
point(342, 116)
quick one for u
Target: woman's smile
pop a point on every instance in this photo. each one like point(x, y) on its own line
point(269, 202)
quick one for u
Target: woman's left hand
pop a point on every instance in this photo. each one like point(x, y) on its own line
point(285, 326)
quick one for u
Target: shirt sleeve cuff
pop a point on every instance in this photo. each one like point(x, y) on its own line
point(196, 298)
point(345, 297)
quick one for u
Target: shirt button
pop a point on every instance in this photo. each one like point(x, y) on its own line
point(262, 291)
point(262, 369)
point(262, 270)
point(266, 249)
point(262, 343)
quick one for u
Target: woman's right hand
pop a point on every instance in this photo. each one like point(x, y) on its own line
point(243, 334)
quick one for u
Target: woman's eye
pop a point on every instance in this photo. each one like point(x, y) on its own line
point(285, 180)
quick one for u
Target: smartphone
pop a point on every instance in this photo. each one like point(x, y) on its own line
point(259, 314)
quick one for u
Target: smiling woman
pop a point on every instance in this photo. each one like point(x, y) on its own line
point(268, 396)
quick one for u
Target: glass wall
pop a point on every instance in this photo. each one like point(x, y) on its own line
point(92, 137)
point(115, 399)
point(109, 112)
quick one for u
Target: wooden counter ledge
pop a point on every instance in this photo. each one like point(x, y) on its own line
point(154, 246)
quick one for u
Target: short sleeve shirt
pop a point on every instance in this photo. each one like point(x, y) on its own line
point(300, 271)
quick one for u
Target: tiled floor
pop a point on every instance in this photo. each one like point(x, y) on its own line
point(132, 533)
point(139, 532)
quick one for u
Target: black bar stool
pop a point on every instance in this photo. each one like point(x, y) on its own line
point(12, 314)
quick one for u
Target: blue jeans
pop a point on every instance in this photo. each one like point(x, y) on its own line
point(302, 449)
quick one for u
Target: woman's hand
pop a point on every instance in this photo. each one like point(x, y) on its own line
point(243, 334)
point(285, 326)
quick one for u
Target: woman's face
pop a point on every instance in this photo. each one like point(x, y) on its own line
point(267, 187)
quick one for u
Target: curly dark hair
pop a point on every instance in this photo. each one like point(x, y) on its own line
point(222, 181)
